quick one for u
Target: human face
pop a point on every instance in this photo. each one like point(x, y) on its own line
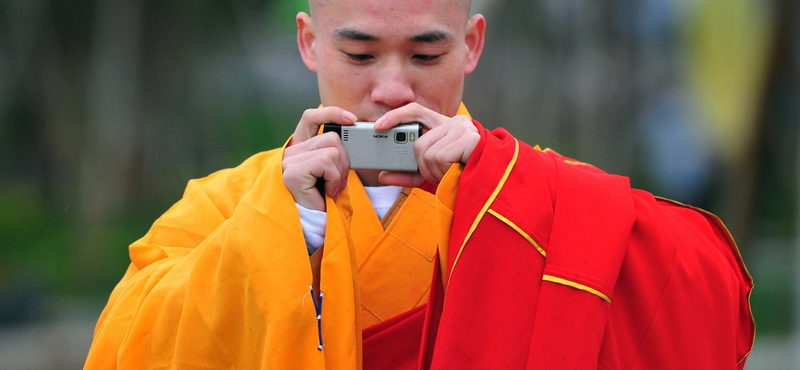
point(372, 56)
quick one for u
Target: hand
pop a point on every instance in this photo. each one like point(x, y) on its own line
point(309, 156)
point(445, 140)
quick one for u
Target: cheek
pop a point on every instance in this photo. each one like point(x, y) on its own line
point(348, 81)
point(329, 72)
point(443, 86)
point(342, 85)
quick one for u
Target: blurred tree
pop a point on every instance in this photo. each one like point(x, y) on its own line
point(728, 55)
point(771, 219)
point(574, 75)
point(108, 107)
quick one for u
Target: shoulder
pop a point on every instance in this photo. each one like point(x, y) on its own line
point(227, 186)
point(207, 202)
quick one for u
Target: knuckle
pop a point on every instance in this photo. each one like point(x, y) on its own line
point(335, 176)
point(285, 166)
point(325, 155)
point(418, 149)
point(289, 152)
point(291, 178)
point(331, 155)
point(332, 139)
point(438, 158)
point(429, 156)
point(441, 160)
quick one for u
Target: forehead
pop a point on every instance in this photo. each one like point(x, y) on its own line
point(389, 13)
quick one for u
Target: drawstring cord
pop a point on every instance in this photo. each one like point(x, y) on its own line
point(318, 310)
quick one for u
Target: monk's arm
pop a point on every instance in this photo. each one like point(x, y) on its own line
point(191, 293)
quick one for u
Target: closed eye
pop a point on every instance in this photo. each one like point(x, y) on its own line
point(427, 58)
point(359, 57)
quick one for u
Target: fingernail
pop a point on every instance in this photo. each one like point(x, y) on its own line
point(349, 116)
point(379, 121)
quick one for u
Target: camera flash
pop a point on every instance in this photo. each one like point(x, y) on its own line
point(411, 136)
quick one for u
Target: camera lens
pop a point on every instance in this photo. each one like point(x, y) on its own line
point(400, 137)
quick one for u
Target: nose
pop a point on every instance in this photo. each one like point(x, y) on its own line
point(393, 87)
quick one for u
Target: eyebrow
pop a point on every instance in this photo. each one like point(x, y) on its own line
point(356, 35)
point(433, 36)
point(353, 34)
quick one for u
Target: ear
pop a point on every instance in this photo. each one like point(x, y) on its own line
point(305, 40)
point(476, 33)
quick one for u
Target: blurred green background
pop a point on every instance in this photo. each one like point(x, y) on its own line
point(108, 108)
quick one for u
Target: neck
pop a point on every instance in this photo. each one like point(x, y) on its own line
point(369, 177)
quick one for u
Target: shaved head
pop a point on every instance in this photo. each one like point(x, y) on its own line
point(373, 56)
point(465, 5)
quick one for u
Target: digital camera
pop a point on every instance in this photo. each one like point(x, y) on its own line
point(368, 149)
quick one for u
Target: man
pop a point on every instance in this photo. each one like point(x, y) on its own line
point(538, 261)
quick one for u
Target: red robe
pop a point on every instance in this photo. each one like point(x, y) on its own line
point(628, 281)
point(553, 264)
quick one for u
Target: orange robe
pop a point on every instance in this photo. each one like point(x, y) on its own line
point(222, 279)
point(525, 276)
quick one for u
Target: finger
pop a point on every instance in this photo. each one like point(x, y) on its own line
point(336, 169)
point(436, 156)
point(334, 187)
point(424, 150)
point(459, 130)
point(301, 185)
point(413, 112)
point(467, 145)
point(432, 159)
point(312, 119)
point(325, 148)
point(325, 140)
point(302, 171)
point(332, 167)
point(333, 181)
point(404, 179)
point(423, 167)
point(430, 138)
point(446, 155)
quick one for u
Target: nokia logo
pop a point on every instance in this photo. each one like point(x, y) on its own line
point(380, 136)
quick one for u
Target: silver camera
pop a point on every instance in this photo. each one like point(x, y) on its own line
point(368, 149)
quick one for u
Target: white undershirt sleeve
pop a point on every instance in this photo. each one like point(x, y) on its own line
point(314, 222)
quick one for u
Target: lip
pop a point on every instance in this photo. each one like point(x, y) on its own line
point(371, 115)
